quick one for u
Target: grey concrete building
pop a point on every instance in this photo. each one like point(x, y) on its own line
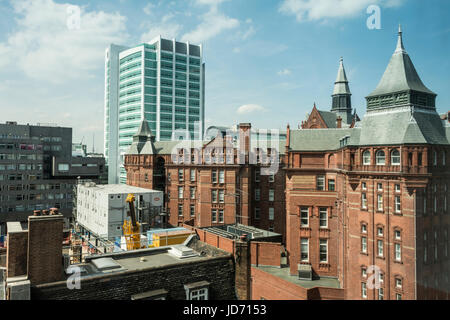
point(38, 172)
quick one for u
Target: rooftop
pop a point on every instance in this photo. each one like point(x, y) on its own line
point(144, 259)
point(116, 188)
point(237, 230)
point(284, 274)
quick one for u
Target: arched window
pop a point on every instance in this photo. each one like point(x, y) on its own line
point(395, 157)
point(366, 158)
point(381, 158)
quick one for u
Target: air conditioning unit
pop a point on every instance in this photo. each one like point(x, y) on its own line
point(305, 272)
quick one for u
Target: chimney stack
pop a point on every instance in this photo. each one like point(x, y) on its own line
point(245, 137)
point(339, 122)
point(45, 242)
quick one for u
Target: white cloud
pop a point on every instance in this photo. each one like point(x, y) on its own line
point(213, 23)
point(284, 72)
point(45, 48)
point(322, 9)
point(250, 108)
point(165, 28)
point(148, 8)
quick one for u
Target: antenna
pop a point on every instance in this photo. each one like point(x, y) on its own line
point(93, 143)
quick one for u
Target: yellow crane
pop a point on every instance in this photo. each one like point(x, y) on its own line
point(131, 229)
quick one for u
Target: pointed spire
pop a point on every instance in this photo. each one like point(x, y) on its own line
point(341, 83)
point(400, 48)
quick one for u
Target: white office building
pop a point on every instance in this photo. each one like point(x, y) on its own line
point(163, 82)
point(102, 209)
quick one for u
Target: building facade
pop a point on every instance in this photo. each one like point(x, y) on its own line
point(38, 172)
point(212, 183)
point(369, 203)
point(161, 82)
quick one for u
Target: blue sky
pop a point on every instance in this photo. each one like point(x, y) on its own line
point(267, 61)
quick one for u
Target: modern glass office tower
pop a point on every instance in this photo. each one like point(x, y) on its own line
point(162, 82)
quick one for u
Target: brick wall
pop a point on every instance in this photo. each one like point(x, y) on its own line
point(16, 256)
point(45, 237)
point(266, 254)
point(218, 271)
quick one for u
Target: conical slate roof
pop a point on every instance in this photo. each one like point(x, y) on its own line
point(400, 74)
point(143, 140)
point(341, 84)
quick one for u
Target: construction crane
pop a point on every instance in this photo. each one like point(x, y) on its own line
point(131, 229)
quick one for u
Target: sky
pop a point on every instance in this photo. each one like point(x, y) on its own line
point(267, 61)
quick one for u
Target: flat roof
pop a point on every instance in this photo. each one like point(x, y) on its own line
point(142, 259)
point(233, 231)
point(284, 273)
point(116, 188)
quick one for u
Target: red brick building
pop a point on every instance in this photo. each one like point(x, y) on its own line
point(209, 183)
point(363, 203)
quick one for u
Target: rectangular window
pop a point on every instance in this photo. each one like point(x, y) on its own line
point(331, 185)
point(323, 217)
point(192, 175)
point(221, 176)
point(398, 283)
point(214, 176)
point(192, 192)
point(271, 178)
point(271, 214)
point(214, 215)
point(364, 186)
point(320, 183)
point(363, 244)
point(304, 217)
point(221, 216)
point(192, 210)
point(214, 196)
point(221, 196)
point(257, 213)
point(380, 232)
point(180, 175)
point(323, 250)
point(398, 296)
point(380, 294)
point(304, 249)
point(180, 192)
point(398, 252)
point(364, 200)
point(397, 188)
point(199, 294)
point(257, 194)
point(63, 167)
point(380, 202)
point(271, 195)
point(180, 210)
point(380, 248)
point(398, 208)
point(364, 290)
point(257, 175)
point(380, 187)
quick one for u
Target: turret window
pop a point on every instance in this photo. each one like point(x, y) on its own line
point(366, 158)
point(395, 158)
point(381, 158)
